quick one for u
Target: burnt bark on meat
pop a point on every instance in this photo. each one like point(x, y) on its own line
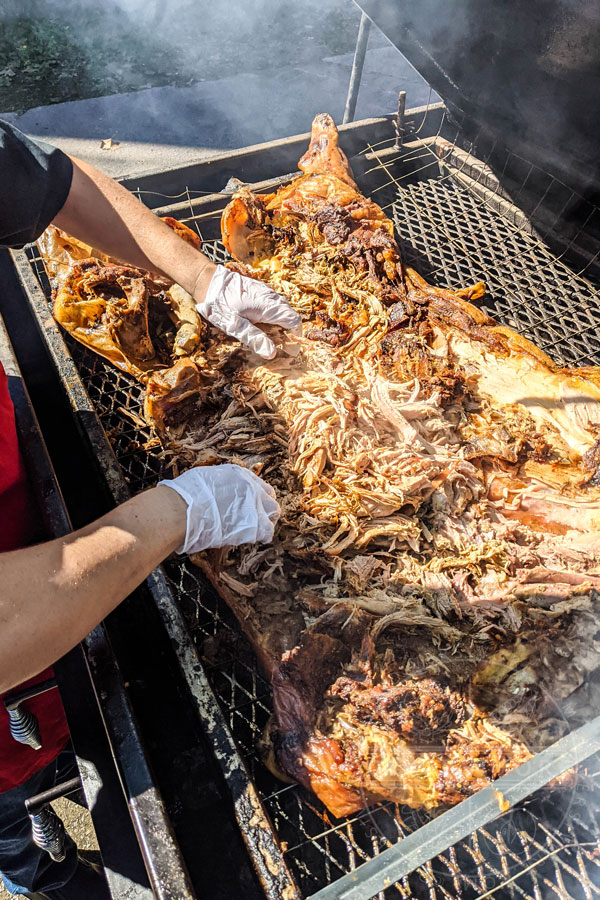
point(591, 460)
point(331, 331)
point(422, 711)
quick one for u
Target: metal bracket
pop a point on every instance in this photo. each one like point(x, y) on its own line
point(399, 120)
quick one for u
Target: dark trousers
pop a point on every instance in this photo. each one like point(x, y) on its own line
point(26, 869)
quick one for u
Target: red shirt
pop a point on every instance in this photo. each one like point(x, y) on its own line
point(17, 761)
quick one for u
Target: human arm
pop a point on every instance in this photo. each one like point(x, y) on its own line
point(53, 594)
point(39, 184)
point(103, 214)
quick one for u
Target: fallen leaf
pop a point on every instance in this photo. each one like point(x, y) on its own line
point(7, 72)
point(109, 144)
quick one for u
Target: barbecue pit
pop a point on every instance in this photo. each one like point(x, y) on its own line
point(466, 208)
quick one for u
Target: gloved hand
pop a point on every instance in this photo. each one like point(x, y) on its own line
point(233, 303)
point(226, 505)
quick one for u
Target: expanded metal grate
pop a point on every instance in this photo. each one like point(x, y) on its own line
point(456, 226)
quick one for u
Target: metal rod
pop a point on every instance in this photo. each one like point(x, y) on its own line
point(399, 120)
point(13, 700)
point(357, 68)
point(35, 803)
point(431, 839)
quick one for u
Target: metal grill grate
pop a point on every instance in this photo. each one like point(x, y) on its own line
point(455, 229)
point(529, 289)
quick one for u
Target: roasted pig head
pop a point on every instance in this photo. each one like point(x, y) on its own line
point(323, 206)
point(324, 154)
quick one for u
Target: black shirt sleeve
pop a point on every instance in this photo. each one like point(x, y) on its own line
point(35, 179)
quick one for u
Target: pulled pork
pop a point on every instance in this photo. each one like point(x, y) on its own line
point(426, 613)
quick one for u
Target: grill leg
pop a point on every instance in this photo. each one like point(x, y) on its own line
point(357, 68)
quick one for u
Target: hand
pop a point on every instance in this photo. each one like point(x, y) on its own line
point(233, 303)
point(226, 505)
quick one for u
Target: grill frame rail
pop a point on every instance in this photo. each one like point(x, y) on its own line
point(431, 144)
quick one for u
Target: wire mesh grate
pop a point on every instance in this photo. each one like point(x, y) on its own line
point(454, 229)
point(528, 288)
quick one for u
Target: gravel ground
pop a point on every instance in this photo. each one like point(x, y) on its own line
point(78, 823)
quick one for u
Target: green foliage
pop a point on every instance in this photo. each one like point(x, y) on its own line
point(49, 60)
point(37, 56)
point(72, 49)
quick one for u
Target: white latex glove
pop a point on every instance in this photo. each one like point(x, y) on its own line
point(234, 303)
point(226, 505)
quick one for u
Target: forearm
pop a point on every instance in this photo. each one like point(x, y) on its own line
point(102, 213)
point(54, 594)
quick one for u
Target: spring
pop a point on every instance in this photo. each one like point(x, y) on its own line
point(24, 727)
point(48, 832)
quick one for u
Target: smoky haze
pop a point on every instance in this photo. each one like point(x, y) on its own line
point(529, 73)
point(242, 35)
point(187, 74)
point(298, 56)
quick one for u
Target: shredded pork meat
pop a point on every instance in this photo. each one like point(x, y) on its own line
point(426, 612)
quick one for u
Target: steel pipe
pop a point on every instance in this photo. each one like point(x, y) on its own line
point(357, 68)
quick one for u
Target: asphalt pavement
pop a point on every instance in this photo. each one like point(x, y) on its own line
point(166, 126)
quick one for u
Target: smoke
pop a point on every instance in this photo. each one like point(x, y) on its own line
point(529, 73)
point(202, 20)
point(256, 70)
point(125, 45)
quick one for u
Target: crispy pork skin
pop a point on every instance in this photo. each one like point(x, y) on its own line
point(140, 323)
point(107, 307)
point(172, 394)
